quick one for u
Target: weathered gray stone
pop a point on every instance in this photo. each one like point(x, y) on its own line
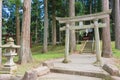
point(115, 78)
point(42, 70)
point(33, 74)
point(81, 73)
point(5, 76)
point(16, 78)
point(111, 69)
point(58, 76)
point(10, 52)
point(30, 75)
point(48, 64)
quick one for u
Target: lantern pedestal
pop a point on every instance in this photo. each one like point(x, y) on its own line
point(10, 51)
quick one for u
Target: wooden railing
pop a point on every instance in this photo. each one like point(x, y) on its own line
point(83, 46)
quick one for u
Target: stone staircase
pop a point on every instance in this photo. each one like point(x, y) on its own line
point(87, 46)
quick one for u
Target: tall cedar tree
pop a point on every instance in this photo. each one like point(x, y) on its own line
point(72, 32)
point(17, 22)
point(17, 3)
point(106, 44)
point(53, 22)
point(26, 55)
point(45, 43)
point(117, 24)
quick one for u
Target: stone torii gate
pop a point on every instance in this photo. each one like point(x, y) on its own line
point(95, 26)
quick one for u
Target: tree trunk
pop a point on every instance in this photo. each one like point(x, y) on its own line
point(36, 27)
point(0, 31)
point(113, 11)
point(53, 22)
point(17, 28)
point(106, 44)
point(45, 43)
point(17, 25)
point(72, 32)
point(26, 55)
point(36, 32)
point(90, 2)
point(117, 24)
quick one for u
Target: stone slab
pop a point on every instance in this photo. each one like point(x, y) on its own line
point(115, 78)
point(58, 76)
point(42, 70)
point(81, 73)
point(81, 64)
point(5, 76)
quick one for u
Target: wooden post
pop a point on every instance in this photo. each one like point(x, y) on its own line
point(97, 44)
point(67, 44)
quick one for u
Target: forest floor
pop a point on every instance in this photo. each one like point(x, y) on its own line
point(53, 53)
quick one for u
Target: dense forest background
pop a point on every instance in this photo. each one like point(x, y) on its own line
point(55, 8)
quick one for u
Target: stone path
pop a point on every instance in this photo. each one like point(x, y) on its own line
point(80, 67)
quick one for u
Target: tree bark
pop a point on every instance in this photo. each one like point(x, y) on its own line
point(36, 27)
point(45, 43)
point(106, 43)
point(36, 31)
point(26, 55)
point(53, 23)
point(72, 32)
point(90, 3)
point(113, 11)
point(17, 27)
point(0, 31)
point(117, 24)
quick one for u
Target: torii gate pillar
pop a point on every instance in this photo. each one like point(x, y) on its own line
point(66, 60)
point(97, 44)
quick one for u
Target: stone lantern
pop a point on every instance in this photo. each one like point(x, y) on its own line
point(10, 52)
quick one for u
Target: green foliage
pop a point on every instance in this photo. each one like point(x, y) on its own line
point(37, 14)
point(79, 8)
point(116, 52)
point(36, 20)
point(18, 2)
point(98, 6)
point(9, 23)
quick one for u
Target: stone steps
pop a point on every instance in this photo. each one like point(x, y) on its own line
point(82, 73)
point(88, 47)
point(59, 76)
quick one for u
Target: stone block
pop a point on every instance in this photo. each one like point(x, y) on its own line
point(48, 64)
point(42, 70)
point(30, 75)
point(33, 74)
point(5, 77)
point(111, 69)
